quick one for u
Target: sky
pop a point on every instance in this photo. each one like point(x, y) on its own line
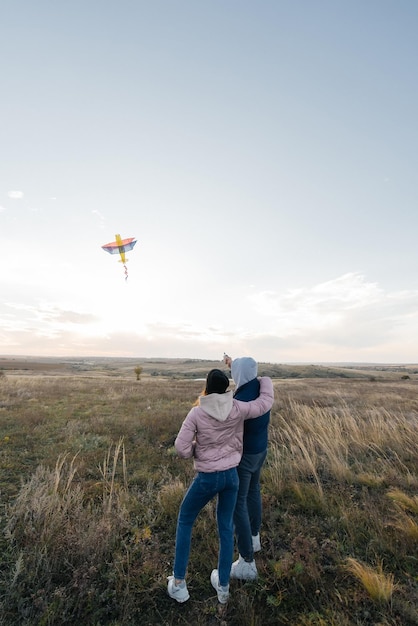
point(263, 154)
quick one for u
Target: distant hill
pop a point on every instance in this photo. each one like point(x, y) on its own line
point(196, 368)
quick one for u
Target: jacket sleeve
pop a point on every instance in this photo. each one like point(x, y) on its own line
point(260, 405)
point(185, 440)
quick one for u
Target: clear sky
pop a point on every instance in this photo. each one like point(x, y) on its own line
point(263, 153)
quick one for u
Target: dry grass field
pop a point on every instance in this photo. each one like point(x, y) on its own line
point(90, 488)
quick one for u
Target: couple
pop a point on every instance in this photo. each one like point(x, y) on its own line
point(228, 454)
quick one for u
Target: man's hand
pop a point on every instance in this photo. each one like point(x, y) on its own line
point(227, 360)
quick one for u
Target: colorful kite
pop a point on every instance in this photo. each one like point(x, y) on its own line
point(120, 246)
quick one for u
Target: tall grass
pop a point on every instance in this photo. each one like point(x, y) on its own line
point(62, 541)
point(341, 444)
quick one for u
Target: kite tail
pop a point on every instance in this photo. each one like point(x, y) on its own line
point(126, 272)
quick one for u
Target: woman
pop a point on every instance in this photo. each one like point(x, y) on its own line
point(212, 433)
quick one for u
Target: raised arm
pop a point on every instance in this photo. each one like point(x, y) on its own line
point(260, 405)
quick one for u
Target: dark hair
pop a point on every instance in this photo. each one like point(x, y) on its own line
point(216, 382)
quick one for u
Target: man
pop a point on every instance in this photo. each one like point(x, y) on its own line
point(248, 510)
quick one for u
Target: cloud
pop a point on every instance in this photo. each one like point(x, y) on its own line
point(15, 195)
point(186, 331)
point(68, 317)
point(47, 318)
point(2, 208)
point(345, 319)
point(100, 216)
point(317, 307)
point(344, 315)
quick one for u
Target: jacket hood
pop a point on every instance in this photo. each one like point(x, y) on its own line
point(243, 370)
point(217, 405)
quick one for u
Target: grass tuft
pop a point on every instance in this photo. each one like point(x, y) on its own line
point(379, 586)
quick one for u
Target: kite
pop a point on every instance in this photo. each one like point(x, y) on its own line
point(120, 246)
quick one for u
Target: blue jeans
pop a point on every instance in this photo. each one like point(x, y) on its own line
point(247, 515)
point(204, 487)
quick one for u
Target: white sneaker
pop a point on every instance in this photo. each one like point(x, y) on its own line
point(223, 592)
point(243, 570)
point(177, 592)
point(256, 543)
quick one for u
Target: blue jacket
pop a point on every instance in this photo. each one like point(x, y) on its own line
point(255, 430)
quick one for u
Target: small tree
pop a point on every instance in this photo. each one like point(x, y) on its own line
point(138, 372)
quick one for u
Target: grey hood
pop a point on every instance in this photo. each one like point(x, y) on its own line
point(243, 370)
point(217, 405)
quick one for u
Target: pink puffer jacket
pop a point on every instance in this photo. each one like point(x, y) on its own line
point(212, 432)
